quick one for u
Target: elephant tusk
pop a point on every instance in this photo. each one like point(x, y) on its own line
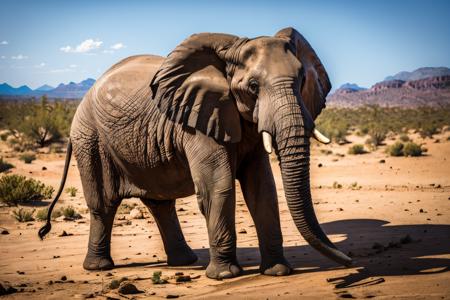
point(320, 137)
point(267, 141)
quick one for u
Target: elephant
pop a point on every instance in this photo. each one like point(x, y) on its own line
point(161, 128)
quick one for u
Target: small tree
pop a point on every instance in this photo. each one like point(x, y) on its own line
point(41, 124)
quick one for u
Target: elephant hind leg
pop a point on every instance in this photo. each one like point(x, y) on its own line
point(99, 247)
point(98, 188)
point(177, 250)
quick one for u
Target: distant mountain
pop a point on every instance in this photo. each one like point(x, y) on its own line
point(71, 90)
point(420, 73)
point(88, 82)
point(44, 88)
point(349, 88)
point(352, 86)
point(430, 91)
point(6, 89)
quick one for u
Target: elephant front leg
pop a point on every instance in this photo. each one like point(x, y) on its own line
point(259, 190)
point(177, 250)
point(215, 189)
point(99, 247)
point(217, 204)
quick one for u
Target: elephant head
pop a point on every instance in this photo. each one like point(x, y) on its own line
point(211, 80)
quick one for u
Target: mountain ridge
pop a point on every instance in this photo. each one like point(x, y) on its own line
point(44, 88)
point(429, 86)
point(430, 91)
point(420, 73)
point(70, 90)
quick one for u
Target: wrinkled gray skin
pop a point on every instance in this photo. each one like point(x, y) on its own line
point(164, 128)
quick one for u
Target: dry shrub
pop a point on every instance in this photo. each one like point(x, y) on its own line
point(16, 189)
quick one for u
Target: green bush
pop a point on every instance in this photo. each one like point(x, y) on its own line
point(337, 185)
point(363, 130)
point(27, 157)
point(326, 151)
point(125, 208)
point(404, 138)
point(376, 136)
point(412, 149)
point(428, 129)
point(356, 149)
point(41, 215)
point(156, 278)
point(56, 148)
point(72, 191)
point(4, 136)
point(15, 189)
point(395, 149)
point(69, 212)
point(4, 165)
point(355, 186)
point(333, 125)
point(23, 215)
point(56, 213)
point(407, 149)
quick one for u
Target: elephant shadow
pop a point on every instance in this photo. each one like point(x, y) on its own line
point(378, 250)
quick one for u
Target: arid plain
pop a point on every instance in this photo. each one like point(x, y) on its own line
point(391, 214)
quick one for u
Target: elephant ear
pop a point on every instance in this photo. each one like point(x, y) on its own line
point(316, 85)
point(191, 87)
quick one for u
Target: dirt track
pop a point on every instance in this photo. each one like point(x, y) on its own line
point(383, 207)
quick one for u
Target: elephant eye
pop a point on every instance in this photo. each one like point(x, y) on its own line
point(253, 86)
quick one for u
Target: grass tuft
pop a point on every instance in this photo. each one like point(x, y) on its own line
point(356, 149)
point(27, 157)
point(23, 215)
point(72, 191)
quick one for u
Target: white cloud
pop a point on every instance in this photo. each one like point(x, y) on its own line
point(3, 57)
point(66, 49)
point(85, 46)
point(65, 70)
point(73, 66)
point(4, 43)
point(114, 47)
point(41, 65)
point(19, 57)
point(117, 46)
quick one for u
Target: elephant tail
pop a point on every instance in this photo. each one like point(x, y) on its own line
point(48, 226)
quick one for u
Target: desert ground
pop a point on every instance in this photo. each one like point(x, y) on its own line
point(391, 214)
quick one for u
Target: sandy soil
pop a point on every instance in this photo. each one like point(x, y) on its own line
point(377, 203)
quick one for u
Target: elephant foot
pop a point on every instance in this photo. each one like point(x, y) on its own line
point(216, 271)
point(280, 268)
point(182, 257)
point(98, 263)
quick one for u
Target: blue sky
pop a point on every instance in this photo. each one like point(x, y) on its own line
point(358, 41)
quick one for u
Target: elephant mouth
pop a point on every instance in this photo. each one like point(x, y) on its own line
point(267, 139)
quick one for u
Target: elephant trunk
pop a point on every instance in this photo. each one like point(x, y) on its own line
point(293, 126)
